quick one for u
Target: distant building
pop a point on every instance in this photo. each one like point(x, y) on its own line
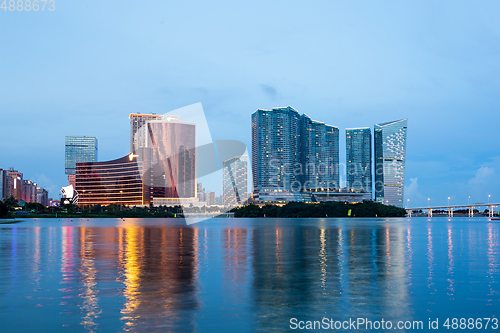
point(42, 196)
point(319, 155)
point(137, 121)
point(210, 198)
point(358, 158)
point(13, 185)
point(390, 156)
point(2, 183)
point(29, 191)
point(79, 149)
point(235, 181)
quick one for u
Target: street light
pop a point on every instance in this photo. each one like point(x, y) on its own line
point(448, 201)
point(428, 202)
point(489, 195)
point(408, 203)
point(468, 200)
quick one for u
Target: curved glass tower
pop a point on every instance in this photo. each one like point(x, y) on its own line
point(390, 155)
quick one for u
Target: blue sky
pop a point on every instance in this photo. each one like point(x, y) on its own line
point(81, 69)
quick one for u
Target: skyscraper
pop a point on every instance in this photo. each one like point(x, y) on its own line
point(358, 158)
point(390, 155)
point(79, 149)
point(319, 155)
point(170, 162)
point(275, 148)
point(137, 121)
point(235, 179)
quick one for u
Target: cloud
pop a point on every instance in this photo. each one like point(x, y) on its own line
point(270, 91)
point(412, 192)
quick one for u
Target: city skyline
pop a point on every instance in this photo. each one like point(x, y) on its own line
point(433, 62)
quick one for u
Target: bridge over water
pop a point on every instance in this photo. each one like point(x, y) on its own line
point(450, 208)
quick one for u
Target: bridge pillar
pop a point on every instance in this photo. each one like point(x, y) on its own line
point(429, 212)
point(408, 212)
point(490, 211)
point(471, 211)
point(450, 212)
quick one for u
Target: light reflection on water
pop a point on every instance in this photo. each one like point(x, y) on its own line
point(254, 274)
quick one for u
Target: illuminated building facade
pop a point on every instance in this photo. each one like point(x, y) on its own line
point(319, 155)
point(358, 158)
point(79, 149)
point(29, 189)
point(390, 155)
point(235, 181)
point(13, 184)
point(111, 182)
point(275, 148)
point(137, 121)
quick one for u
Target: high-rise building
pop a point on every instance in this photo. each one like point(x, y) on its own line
point(42, 196)
point(137, 121)
point(210, 198)
point(275, 149)
point(235, 181)
point(2, 182)
point(292, 154)
point(390, 155)
point(319, 155)
point(13, 185)
point(358, 158)
point(79, 149)
point(29, 193)
point(169, 159)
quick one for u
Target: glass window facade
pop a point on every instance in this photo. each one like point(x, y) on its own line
point(358, 158)
point(390, 155)
point(275, 148)
point(79, 149)
point(137, 121)
point(235, 181)
point(169, 159)
point(319, 155)
point(291, 152)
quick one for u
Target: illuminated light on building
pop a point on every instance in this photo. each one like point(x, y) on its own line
point(390, 156)
point(111, 182)
point(137, 122)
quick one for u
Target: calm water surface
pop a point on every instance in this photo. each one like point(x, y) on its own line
point(243, 275)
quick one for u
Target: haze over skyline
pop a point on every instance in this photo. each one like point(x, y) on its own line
point(82, 69)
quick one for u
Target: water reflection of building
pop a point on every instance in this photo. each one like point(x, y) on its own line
point(334, 270)
point(158, 266)
point(236, 270)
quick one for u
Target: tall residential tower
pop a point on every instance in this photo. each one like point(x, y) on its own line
point(358, 158)
point(235, 179)
point(390, 155)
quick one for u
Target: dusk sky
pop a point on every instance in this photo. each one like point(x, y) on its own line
point(83, 68)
